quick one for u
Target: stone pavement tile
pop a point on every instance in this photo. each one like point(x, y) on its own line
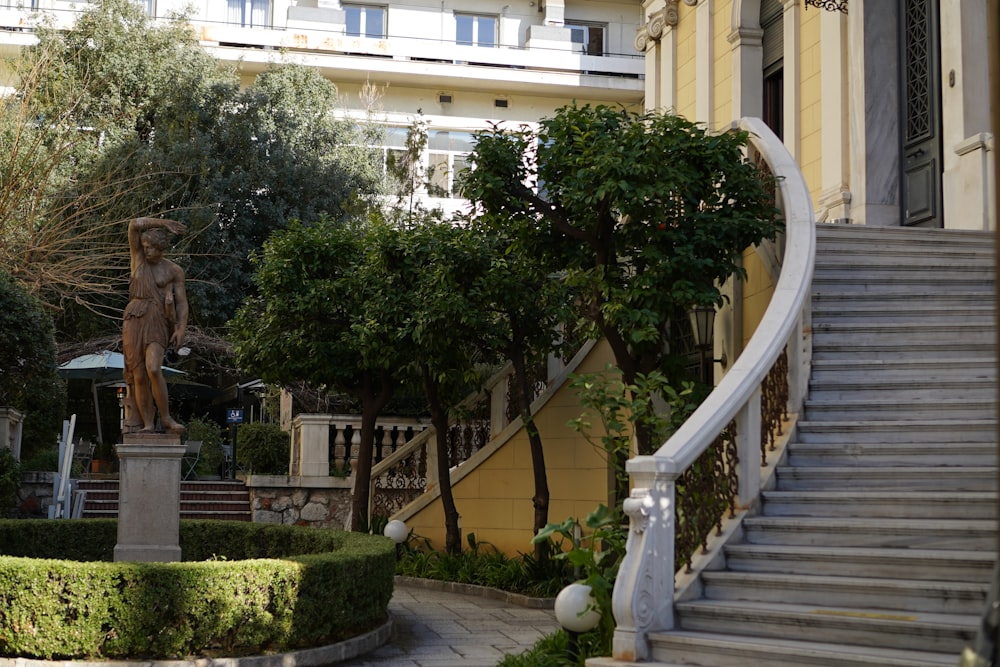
point(433, 628)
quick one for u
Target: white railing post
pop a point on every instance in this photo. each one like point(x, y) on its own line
point(799, 359)
point(748, 451)
point(643, 598)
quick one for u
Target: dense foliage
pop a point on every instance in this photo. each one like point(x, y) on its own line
point(263, 449)
point(646, 214)
point(243, 589)
point(141, 120)
point(28, 380)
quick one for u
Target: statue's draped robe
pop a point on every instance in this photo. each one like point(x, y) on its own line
point(144, 322)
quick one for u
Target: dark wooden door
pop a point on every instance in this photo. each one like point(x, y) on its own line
point(920, 102)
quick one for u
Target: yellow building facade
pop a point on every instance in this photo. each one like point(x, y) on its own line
point(883, 103)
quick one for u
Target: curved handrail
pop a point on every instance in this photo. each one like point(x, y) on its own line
point(643, 595)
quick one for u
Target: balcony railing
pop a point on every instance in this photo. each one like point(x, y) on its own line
point(711, 465)
point(323, 37)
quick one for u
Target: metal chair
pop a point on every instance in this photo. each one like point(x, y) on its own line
point(192, 453)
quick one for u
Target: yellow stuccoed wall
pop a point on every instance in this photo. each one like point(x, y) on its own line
point(494, 500)
point(810, 138)
point(686, 52)
point(757, 290)
point(723, 70)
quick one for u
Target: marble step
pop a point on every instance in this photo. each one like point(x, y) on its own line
point(902, 334)
point(892, 454)
point(834, 348)
point(936, 597)
point(892, 370)
point(903, 390)
point(860, 626)
point(900, 410)
point(901, 239)
point(897, 431)
point(909, 477)
point(903, 300)
point(900, 282)
point(728, 650)
point(911, 564)
point(836, 532)
point(883, 504)
point(943, 258)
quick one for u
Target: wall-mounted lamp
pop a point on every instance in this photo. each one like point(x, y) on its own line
point(703, 331)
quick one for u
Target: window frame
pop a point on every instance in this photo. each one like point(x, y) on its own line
point(364, 9)
point(585, 27)
point(475, 37)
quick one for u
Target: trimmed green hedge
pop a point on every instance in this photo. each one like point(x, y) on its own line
point(243, 589)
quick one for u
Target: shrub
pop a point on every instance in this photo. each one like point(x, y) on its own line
point(28, 379)
point(263, 448)
point(304, 587)
point(10, 481)
point(210, 434)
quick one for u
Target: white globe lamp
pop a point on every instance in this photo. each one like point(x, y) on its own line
point(396, 531)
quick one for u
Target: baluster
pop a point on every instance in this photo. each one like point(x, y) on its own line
point(377, 444)
point(338, 449)
point(355, 448)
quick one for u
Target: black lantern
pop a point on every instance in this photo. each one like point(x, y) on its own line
point(703, 332)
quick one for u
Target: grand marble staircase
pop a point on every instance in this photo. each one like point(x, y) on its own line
point(877, 544)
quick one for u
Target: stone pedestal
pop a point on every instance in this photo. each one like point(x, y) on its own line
point(149, 498)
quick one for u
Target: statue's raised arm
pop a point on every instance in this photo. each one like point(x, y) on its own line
point(155, 318)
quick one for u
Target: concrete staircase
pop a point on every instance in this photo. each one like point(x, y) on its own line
point(210, 499)
point(876, 546)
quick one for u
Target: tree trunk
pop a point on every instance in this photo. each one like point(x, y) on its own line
point(372, 402)
point(522, 398)
point(439, 418)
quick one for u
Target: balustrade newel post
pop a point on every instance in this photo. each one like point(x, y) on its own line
point(643, 599)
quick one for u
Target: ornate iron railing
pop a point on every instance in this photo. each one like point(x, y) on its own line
point(711, 464)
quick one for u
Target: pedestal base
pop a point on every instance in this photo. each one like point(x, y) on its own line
point(149, 498)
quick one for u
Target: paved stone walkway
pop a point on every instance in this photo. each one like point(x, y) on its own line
point(432, 628)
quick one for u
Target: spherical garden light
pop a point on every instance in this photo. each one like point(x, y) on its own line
point(577, 612)
point(396, 531)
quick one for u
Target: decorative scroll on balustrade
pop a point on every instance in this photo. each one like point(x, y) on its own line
point(773, 405)
point(469, 434)
point(705, 494)
point(402, 483)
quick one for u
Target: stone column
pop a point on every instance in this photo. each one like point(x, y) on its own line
point(149, 498)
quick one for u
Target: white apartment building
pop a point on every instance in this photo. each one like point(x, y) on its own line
point(461, 64)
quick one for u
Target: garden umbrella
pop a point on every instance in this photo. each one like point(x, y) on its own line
point(100, 368)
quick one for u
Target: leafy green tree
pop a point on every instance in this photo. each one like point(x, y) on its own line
point(28, 379)
point(326, 314)
point(528, 309)
point(448, 336)
point(141, 120)
point(647, 213)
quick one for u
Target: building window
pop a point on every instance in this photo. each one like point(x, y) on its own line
point(250, 13)
point(587, 38)
point(437, 168)
point(475, 30)
point(771, 17)
point(366, 21)
point(447, 152)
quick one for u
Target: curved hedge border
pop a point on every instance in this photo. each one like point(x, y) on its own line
point(242, 589)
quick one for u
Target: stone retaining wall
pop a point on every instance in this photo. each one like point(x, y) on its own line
point(323, 502)
point(35, 495)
